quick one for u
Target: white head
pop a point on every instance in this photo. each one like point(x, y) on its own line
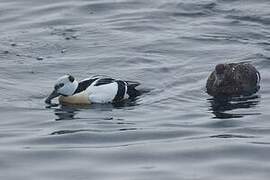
point(65, 86)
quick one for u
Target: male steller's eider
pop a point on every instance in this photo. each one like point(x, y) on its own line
point(92, 90)
point(233, 79)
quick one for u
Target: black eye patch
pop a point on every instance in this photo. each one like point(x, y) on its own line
point(58, 86)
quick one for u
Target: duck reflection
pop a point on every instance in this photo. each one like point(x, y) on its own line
point(222, 107)
point(65, 113)
point(68, 112)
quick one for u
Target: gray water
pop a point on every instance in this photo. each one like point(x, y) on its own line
point(174, 131)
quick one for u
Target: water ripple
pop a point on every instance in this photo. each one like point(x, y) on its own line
point(174, 130)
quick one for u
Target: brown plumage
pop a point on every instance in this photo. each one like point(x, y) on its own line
point(233, 79)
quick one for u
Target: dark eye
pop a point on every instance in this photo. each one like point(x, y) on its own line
point(58, 86)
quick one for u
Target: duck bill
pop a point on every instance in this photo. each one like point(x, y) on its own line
point(53, 95)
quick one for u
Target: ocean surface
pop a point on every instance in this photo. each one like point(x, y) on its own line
point(174, 130)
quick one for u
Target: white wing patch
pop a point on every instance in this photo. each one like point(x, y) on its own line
point(103, 93)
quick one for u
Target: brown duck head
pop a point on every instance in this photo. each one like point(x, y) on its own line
point(221, 73)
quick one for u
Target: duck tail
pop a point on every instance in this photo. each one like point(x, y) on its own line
point(132, 83)
point(131, 89)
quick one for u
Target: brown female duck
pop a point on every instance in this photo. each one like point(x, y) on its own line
point(233, 79)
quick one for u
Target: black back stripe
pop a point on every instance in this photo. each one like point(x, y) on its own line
point(104, 81)
point(120, 91)
point(83, 85)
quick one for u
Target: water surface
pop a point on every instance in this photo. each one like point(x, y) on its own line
point(175, 131)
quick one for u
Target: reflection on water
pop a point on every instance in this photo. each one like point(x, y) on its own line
point(60, 132)
point(65, 113)
point(231, 136)
point(222, 107)
point(68, 112)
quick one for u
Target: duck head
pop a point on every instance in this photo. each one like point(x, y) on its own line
point(65, 86)
point(220, 74)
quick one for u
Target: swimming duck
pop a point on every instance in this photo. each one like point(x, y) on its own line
point(92, 90)
point(233, 79)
